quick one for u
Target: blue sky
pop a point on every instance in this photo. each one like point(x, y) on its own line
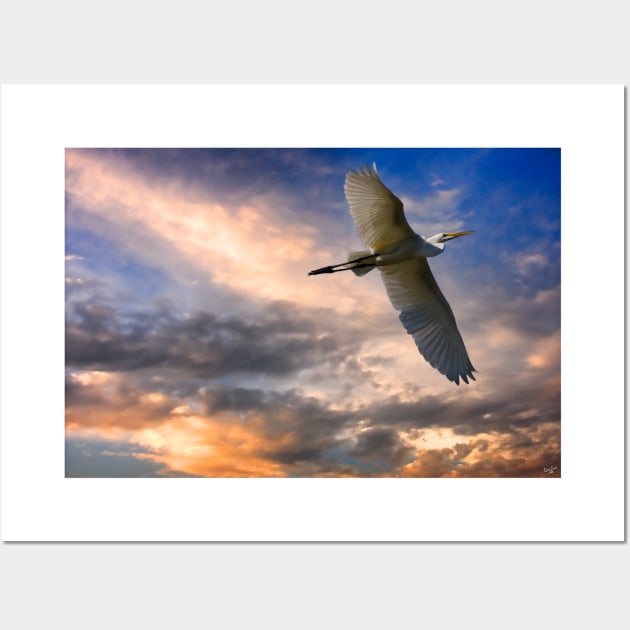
point(196, 344)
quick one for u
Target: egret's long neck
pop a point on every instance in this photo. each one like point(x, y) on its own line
point(430, 246)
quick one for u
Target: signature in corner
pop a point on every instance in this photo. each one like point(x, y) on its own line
point(551, 469)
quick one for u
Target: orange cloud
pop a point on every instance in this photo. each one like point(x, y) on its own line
point(108, 402)
point(221, 446)
point(530, 452)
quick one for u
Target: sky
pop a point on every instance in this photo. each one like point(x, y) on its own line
point(197, 346)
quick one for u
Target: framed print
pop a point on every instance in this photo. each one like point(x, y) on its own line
point(188, 362)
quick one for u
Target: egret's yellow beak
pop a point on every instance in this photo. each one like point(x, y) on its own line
point(451, 235)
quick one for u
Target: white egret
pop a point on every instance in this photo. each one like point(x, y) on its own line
point(401, 256)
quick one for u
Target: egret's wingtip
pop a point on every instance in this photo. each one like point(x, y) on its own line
point(464, 377)
point(365, 170)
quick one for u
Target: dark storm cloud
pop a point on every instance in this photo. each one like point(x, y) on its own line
point(384, 445)
point(277, 342)
point(221, 398)
point(502, 413)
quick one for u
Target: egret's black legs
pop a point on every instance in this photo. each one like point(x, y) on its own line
point(343, 266)
point(336, 268)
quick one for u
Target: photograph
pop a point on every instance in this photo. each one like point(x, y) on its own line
point(312, 312)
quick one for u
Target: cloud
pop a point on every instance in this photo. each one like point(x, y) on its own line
point(382, 445)
point(237, 432)
point(275, 340)
point(435, 212)
point(222, 430)
point(109, 402)
point(295, 430)
point(261, 246)
point(436, 180)
point(530, 263)
point(522, 453)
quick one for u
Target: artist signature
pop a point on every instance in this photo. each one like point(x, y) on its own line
point(550, 470)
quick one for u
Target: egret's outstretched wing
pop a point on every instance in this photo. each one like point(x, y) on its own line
point(376, 211)
point(427, 317)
